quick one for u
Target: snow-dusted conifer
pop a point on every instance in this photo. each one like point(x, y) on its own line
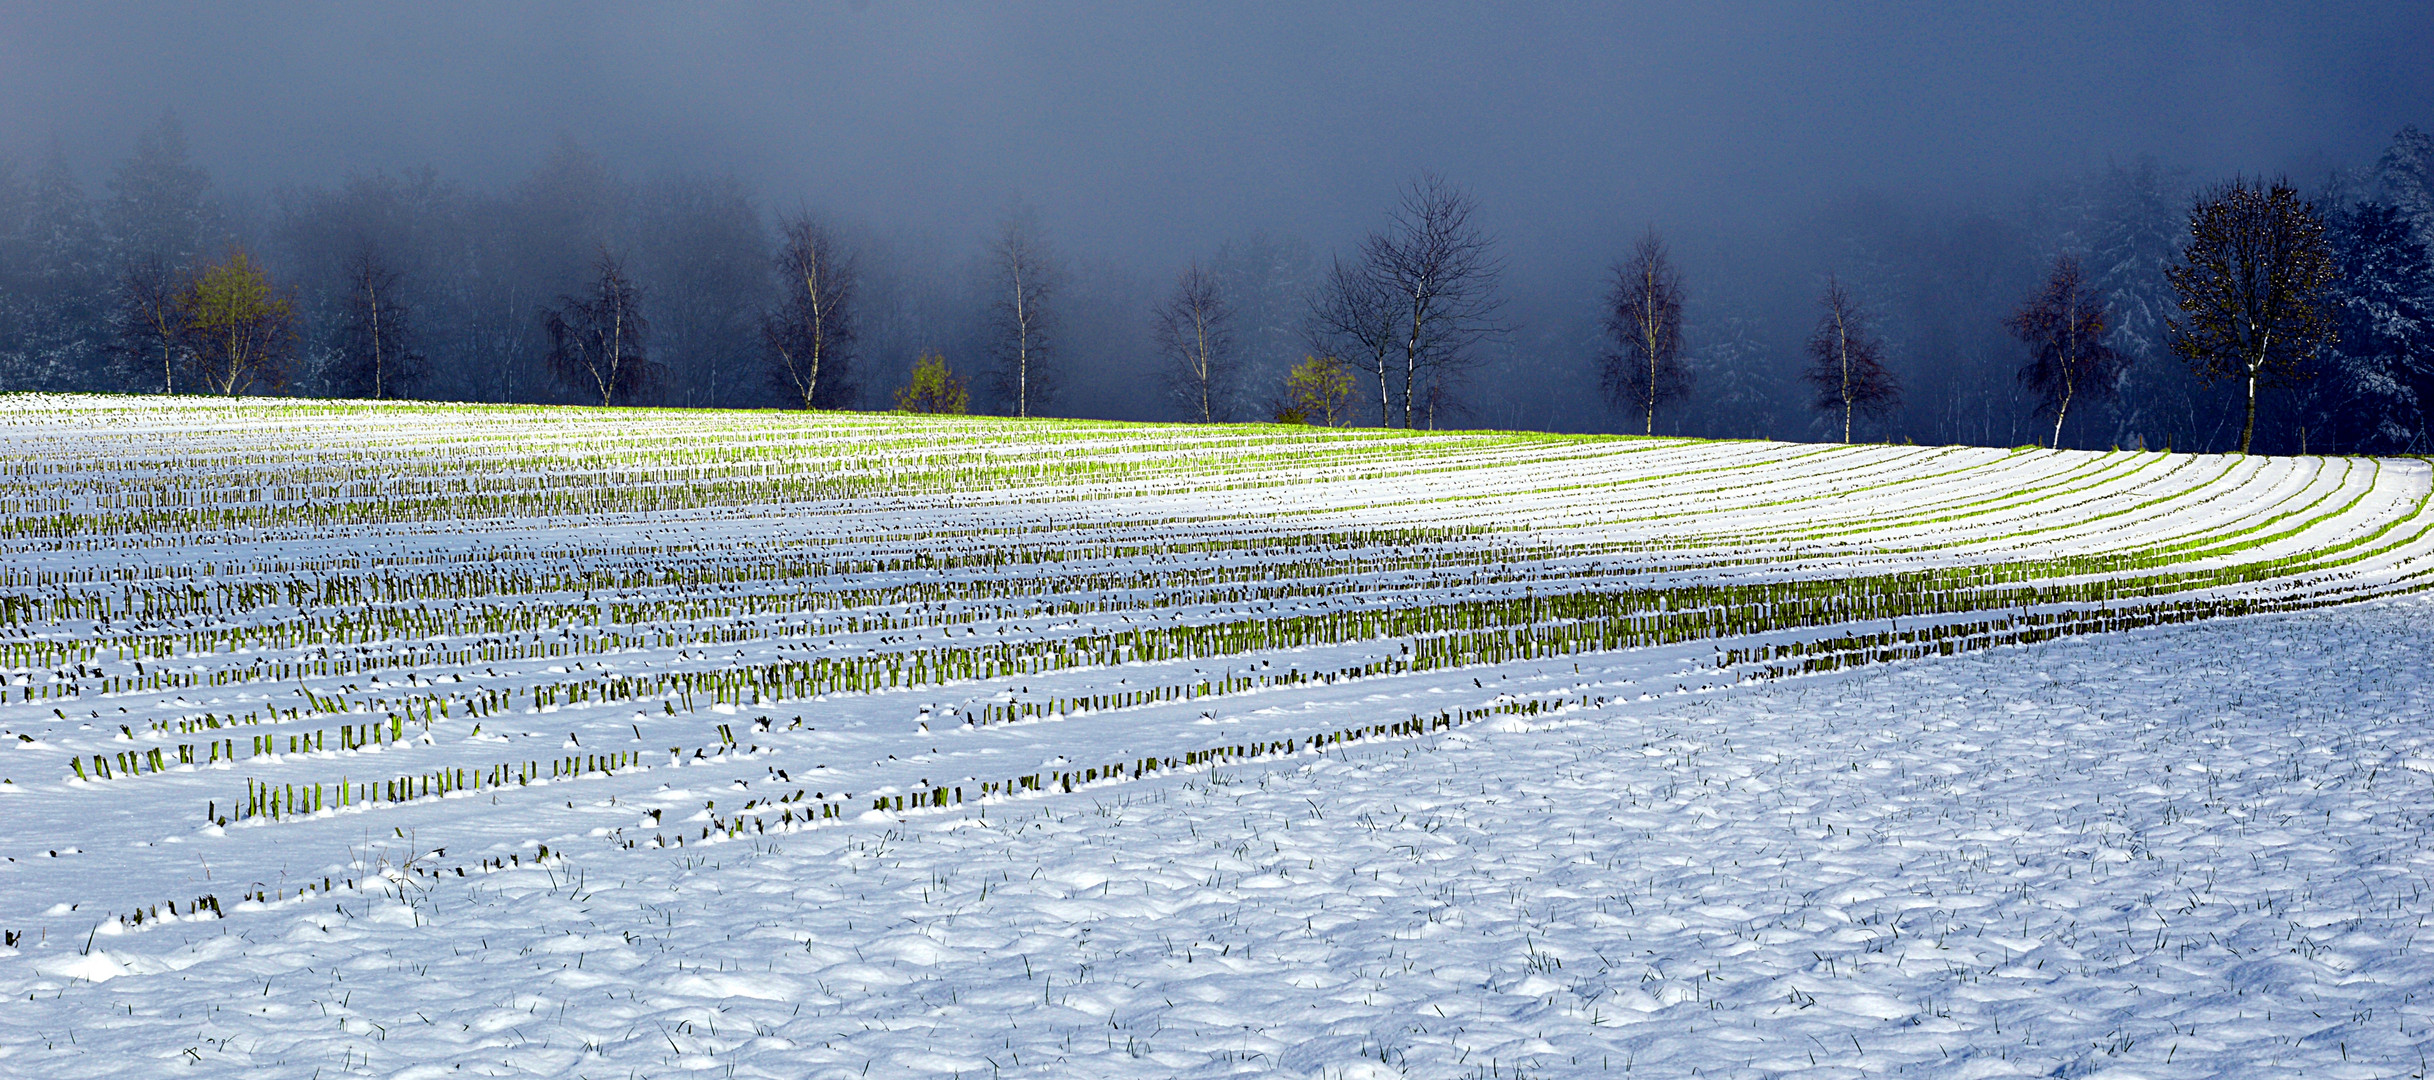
point(2384, 322)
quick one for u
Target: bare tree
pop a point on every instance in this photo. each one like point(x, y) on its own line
point(376, 334)
point(1847, 360)
point(1444, 395)
point(596, 341)
point(151, 320)
point(2065, 325)
point(1027, 280)
point(810, 333)
point(2252, 281)
point(1194, 330)
point(1353, 318)
point(1644, 316)
point(1441, 270)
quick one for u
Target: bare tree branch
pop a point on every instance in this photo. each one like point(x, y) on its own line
point(1194, 330)
point(1644, 316)
point(1027, 281)
point(596, 341)
point(1442, 271)
point(2065, 325)
point(1847, 360)
point(1353, 319)
point(151, 322)
point(376, 332)
point(810, 333)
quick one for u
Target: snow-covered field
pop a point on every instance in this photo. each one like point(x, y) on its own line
point(385, 740)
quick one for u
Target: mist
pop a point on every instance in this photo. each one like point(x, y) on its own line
point(1937, 159)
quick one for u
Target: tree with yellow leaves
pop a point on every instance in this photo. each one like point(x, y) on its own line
point(242, 326)
point(1316, 391)
point(934, 389)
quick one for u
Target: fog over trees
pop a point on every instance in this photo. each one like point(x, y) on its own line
point(1101, 257)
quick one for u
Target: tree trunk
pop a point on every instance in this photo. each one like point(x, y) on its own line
point(1411, 371)
point(1648, 340)
point(819, 330)
point(608, 391)
point(1022, 350)
point(2256, 363)
point(2248, 428)
point(1651, 428)
point(371, 294)
point(1200, 334)
point(811, 384)
point(2063, 409)
point(1842, 343)
point(1411, 364)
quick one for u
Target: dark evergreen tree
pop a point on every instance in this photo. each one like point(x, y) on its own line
point(2383, 348)
point(21, 366)
point(16, 272)
point(701, 251)
point(63, 242)
point(1267, 282)
point(157, 208)
point(1740, 392)
point(2404, 176)
point(2140, 218)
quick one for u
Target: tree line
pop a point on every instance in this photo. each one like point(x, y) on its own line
point(2160, 312)
point(2268, 293)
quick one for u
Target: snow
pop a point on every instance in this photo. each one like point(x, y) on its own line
point(2190, 854)
point(2150, 846)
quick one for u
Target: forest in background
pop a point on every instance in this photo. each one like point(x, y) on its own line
point(464, 283)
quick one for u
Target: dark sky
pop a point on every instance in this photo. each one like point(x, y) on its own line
point(1148, 133)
